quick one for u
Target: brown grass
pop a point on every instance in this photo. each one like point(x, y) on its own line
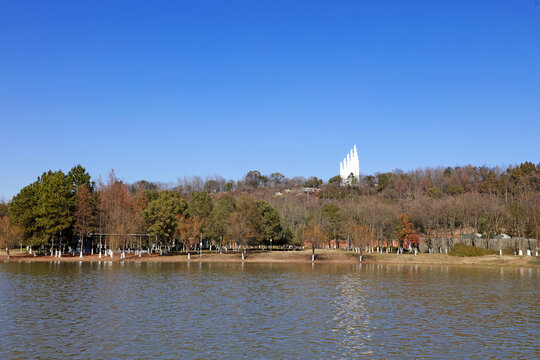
point(326, 256)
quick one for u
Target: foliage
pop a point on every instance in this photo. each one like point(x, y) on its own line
point(369, 181)
point(313, 182)
point(85, 210)
point(335, 180)
point(161, 215)
point(384, 181)
point(463, 250)
point(434, 192)
point(244, 223)
point(490, 201)
point(116, 207)
point(276, 178)
point(219, 217)
point(253, 178)
point(189, 229)
point(454, 189)
point(405, 233)
point(211, 186)
point(23, 210)
point(56, 203)
point(270, 224)
point(199, 205)
point(509, 250)
point(331, 218)
point(10, 234)
point(3, 209)
point(315, 235)
point(138, 205)
point(358, 235)
point(79, 176)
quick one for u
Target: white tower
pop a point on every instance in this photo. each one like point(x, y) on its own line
point(350, 164)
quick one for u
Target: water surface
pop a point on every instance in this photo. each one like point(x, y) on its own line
point(233, 310)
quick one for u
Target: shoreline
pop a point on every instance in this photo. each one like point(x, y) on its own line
point(304, 256)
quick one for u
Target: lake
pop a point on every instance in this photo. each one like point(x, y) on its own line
point(233, 310)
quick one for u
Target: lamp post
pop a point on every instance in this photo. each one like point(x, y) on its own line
point(270, 244)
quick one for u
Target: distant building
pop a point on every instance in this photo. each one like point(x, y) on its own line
point(350, 165)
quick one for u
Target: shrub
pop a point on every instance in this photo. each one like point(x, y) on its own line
point(434, 192)
point(510, 250)
point(468, 250)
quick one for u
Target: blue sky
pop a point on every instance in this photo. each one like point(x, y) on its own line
point(159, 90)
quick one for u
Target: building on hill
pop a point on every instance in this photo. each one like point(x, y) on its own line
point(350, 166)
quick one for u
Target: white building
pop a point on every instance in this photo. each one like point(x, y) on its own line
point(350, 165)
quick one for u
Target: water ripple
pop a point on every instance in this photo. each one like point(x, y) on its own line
point(148, 311)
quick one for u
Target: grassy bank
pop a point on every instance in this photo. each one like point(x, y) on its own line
point(322, 256)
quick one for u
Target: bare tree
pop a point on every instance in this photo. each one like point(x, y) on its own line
point(189, 230)
point(10, 234)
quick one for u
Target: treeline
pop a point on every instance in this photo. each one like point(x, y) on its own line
point(58, 210)
point(434, 207)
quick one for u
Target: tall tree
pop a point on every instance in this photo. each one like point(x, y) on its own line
point(331, 218)
point(217, 224)
point(85, 212)
point(56, 205)
point(358, 235)
point(315, 235)
point(23, 211)
point(253, 178)
point(10, 234)
point(200, 204)
point(116, 206)
point(189, 229)
point(161, 215)
point(405, 233)
point(270, 224)
point(276, 178)
point(79, 176)
point(244, 222)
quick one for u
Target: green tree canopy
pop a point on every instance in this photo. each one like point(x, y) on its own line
point(434, 192)
point(211, 186)
point(253, 178)
point(160, 215)
point(384, 180)
point(269, 222)
point(200, 204)
point(276, 178)
point(223, 207)
point(23, 210)
point(313, 182)
point(56, 203)
point(79, 176)
point(335, 180)
point(331, 217)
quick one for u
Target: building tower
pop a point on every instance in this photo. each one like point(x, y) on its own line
point(350, 165)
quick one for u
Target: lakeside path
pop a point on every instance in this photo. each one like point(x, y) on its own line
point(322, 256)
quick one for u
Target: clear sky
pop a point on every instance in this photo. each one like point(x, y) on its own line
point(159, 90)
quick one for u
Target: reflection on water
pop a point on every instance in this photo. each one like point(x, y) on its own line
point(216, 310)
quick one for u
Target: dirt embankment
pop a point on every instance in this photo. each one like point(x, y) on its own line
point(323, 256)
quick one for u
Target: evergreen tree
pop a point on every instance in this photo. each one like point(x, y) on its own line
point(161, 215)
point(270, 225)
point(56, 203)
point(200, 205)
point(217, 224)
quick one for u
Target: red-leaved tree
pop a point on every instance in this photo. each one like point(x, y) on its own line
point(405, 233)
